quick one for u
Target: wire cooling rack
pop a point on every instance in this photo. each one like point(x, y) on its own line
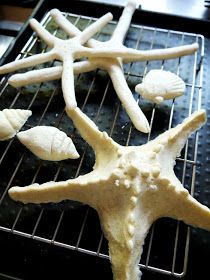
point(73, 225)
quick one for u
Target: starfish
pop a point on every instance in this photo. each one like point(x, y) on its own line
point(130, 187)
point(110, 56)
point(64, 50)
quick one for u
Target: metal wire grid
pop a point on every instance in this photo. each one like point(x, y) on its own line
point(186, 161)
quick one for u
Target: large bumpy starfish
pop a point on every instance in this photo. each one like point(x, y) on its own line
point(108, 55)
point(130, 187)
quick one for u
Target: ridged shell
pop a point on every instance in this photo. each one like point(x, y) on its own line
point(11, 121)
point(159, 85)
point(48, 143)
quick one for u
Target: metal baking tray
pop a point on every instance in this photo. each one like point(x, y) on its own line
point(74, 226)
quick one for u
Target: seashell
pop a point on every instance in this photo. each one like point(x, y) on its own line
point(159, 85)
point(48, 143)
point(11, 121)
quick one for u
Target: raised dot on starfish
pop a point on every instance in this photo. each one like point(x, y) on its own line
point(126, 214)
point(110, 56)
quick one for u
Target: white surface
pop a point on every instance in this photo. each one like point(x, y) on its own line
point(4, 43)
point(187, 8)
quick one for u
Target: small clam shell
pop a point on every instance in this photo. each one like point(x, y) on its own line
point(11, 121)
point(159, 85)
point(48, 143)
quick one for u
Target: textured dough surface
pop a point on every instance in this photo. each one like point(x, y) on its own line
point(48, 143)
point(130, 187)
point(159, 85)
point(11, 121)
point(109, 55)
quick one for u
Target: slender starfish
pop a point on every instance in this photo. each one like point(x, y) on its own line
point(64, 50)
point(130, 187)
point(109, 56)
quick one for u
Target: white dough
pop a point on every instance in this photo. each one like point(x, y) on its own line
point(109, 55)
point(130, 187)
point(11, 121)
point(48, 143)
point(159, 85)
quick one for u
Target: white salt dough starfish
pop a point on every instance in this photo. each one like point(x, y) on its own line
point(64, 50)
point(114, 55)
point(130, 187)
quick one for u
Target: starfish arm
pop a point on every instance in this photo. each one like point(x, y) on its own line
point(84, 66)
point(110, 52)
point(64, 23)
point(68, 27)
point(118, 34)
point(123, 24)
point(68, 83)
point(48, 38)
point(174, 139)
point(80, 189)
point(95, 27)
point(174, 201)
point(99, 141)
point(87, 128)
point(129, 54)
point(36, 76)
point(125, 230)
point(184, 207)
point(160, 54)
point(98, 52)
point(27, 62)
point(125, 95)
point(47, 74)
